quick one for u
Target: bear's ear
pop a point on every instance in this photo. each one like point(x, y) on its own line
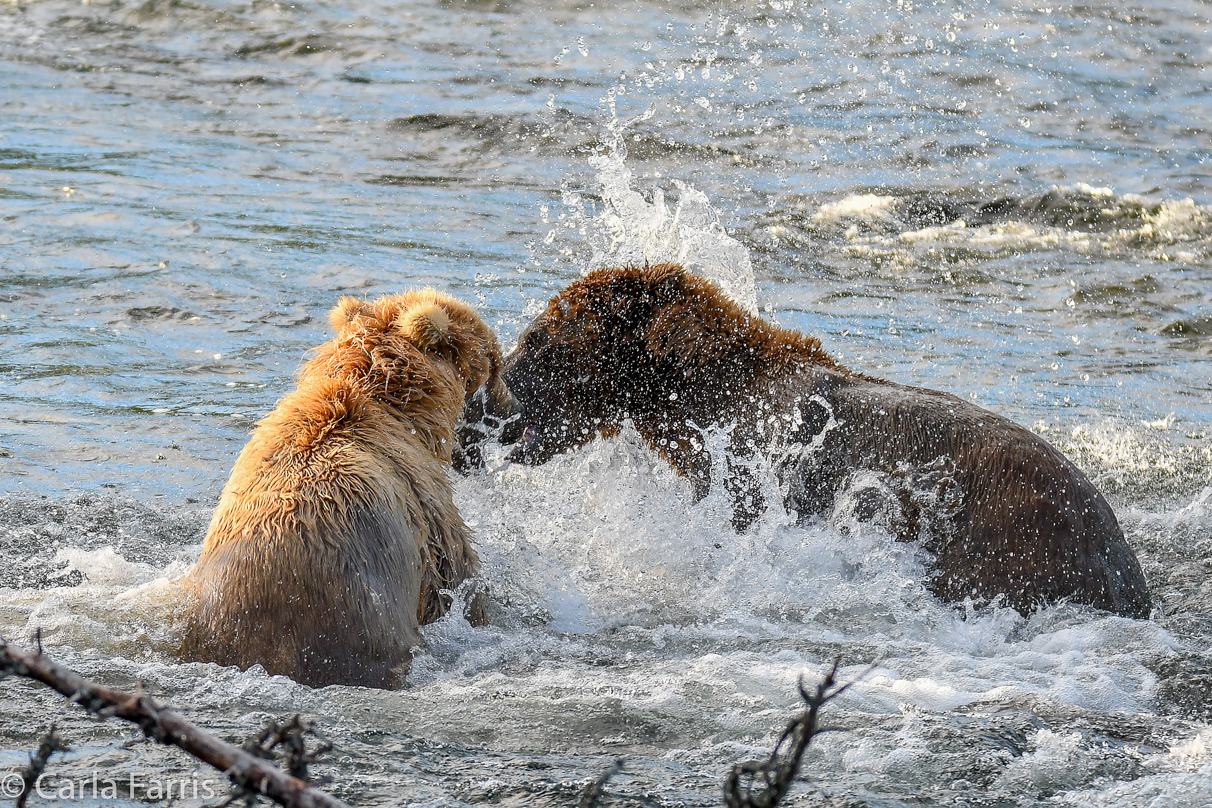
point(426, 326)
point(667, 281)
point(345, 312)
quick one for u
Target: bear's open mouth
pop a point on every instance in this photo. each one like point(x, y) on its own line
point(529, 450)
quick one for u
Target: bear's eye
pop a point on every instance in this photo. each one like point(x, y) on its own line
point(537, 338)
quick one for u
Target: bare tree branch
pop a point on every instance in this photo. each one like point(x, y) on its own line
point(51, 743)
point(762, 784)
point(162, 724)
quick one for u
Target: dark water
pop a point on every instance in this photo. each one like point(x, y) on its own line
point(1006, 201)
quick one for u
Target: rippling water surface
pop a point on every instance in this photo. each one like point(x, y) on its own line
point(1003, 200)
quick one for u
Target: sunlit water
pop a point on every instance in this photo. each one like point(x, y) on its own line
point(1002, 200)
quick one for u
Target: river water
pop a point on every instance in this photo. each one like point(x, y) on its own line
point(1003, 200)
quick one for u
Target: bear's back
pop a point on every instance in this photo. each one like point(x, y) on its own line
point(312, 565)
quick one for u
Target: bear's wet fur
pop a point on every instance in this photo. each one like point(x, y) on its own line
point(336, 531)
point(1006, 516)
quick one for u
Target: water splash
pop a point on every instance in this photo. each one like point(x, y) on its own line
point(632, 229)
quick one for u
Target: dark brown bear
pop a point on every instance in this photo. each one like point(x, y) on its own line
point(1004, 513)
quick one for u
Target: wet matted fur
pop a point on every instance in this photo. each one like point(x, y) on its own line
point(336, 531)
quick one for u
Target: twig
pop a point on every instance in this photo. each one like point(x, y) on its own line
point(51, 743)
point(291, 737)
point(163, 724)
point(276, 741)
point(763, 784)
point(593, 791)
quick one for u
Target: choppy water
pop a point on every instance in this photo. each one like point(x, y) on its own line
point(1002, 200)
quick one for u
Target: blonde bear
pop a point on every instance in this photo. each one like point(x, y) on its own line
point(337, 532)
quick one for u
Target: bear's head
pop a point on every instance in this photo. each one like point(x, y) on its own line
point(424, 352)
point(655, 343)
point(617, 343)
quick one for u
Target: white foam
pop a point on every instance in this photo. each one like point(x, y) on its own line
point(1088, 190)
point(1168, 790)
point(1170, 230)
point(1058, 761)
point(122, 607)
point(872, 206)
